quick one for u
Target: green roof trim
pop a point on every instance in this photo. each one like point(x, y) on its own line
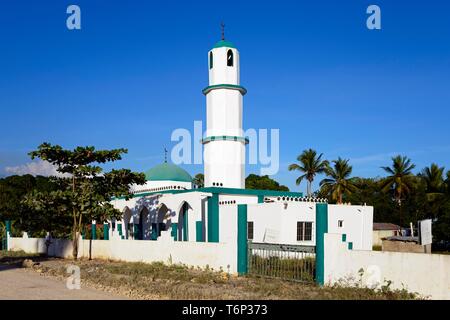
point(241, 89)
point(168, 172)
point(221, 190)
point(224, 138)
point(224, 43)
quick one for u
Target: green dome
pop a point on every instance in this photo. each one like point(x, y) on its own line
point(224, 43)
point(167, 172)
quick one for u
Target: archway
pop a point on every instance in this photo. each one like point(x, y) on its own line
point(142, 229)
point(183, 222)
point(127, 215)
point(162, 221)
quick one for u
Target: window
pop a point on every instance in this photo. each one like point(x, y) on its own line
point(304, 231)
point(340, 223)
point(250, 230)
point(210, 60)
point(230, 58)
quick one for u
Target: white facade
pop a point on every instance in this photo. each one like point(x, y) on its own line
point(277, 222)
point(224, 143)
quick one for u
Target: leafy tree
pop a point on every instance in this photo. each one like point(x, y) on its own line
point(400, 179)
point(199, 180)
point(254, 181)
point(46, 212)
point(13, 189)
point(310, 164)
point(86, 194)
point(339, 181)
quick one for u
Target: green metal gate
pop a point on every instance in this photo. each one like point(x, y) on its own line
point(288, 262)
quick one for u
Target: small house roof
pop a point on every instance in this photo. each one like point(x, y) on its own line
point(385, 226)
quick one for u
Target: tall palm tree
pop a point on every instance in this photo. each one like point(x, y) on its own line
point(400, 177)
point(433, 177)
point(309, 164)
point(339, 181)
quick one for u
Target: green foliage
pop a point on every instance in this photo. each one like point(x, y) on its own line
point(254, 181)
point(85, 194)
point(199, 180)
point(399, 198)
point(339, 182)
point(400, 178)
point(310, 164)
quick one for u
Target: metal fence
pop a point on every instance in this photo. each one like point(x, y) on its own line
point(288, 262)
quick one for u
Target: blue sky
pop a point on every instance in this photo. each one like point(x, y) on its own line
point(135, 72)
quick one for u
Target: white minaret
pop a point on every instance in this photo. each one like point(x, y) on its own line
point(224, 142)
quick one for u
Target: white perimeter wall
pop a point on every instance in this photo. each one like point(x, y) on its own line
point(426, 274)
point(165, 249)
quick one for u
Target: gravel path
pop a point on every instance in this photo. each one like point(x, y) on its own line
point(21, 284)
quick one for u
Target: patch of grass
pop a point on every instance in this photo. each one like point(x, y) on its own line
point(376, 248)
point(17, 257)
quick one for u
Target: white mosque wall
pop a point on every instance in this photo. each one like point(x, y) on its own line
point(154, 186)
point(239, 199)
point(357, 224)
point(426, 274)
point(276, 222)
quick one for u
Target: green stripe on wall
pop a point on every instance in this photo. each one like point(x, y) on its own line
point(242, 255)
point(106, 231)
point(185, 222)
point(93, 231)
point(213, 218)
point(199, 231)
point(321, 229)
point(174, 232)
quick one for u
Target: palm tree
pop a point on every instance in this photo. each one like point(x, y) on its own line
point(433, 177)
point(199, 180)
point(309, 164)
point(339, 181)
point(400, 177)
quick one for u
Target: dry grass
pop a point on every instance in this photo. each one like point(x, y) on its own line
point(160, 281)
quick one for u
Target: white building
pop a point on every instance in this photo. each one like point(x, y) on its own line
point(168, 202)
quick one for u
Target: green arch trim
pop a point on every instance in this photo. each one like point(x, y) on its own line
point(241, 89)
point(224, 138)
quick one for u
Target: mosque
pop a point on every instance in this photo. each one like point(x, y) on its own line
point(168, 202)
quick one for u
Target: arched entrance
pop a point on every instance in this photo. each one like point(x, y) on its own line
point(162, 223)
point(183, 222)
point(127, 215)
point(141, 230)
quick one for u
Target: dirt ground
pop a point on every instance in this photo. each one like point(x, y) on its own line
point(159, 281)
point(24, 284)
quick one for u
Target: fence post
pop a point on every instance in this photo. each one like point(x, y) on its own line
point(106, 231)
point(93, 231)
point(242, 254)
point(321, 229)
point(8, 232)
